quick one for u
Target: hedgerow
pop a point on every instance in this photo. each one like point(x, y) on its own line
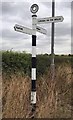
point(13, 62)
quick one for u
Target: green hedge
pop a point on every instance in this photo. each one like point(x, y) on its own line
point(21, 62)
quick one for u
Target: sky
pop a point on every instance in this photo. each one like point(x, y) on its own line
point(16, 12)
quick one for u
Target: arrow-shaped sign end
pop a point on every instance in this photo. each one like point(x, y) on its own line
point(14, 28)
point(62, 18)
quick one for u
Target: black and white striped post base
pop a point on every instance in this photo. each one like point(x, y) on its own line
point(33, 71)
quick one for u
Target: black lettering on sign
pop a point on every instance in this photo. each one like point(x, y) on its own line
point(19, 28)
point(38, 28)
point(47, 20)
point(51, 19)
point(41, 21)
point(57, 19)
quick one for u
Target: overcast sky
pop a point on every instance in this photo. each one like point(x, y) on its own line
point(19, 13)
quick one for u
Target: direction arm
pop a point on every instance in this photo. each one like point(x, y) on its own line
point(22, 29)
point(50, 20)
point(41, 30)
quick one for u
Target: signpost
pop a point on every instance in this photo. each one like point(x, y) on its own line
point(34, 8)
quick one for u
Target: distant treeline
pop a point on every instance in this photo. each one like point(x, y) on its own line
point(13, 62)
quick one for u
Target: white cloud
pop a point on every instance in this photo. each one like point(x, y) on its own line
point(19, 13)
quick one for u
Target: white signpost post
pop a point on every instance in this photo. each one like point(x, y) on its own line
point(34, 8)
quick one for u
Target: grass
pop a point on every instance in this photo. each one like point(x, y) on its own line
point(53, 96)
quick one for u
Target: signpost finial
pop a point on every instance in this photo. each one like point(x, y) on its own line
point(34, 8)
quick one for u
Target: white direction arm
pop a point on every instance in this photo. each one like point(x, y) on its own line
point(22, 29)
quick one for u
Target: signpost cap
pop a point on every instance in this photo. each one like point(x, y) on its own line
point(34, 8)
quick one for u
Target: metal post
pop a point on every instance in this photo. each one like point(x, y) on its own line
point(52, 41)
point(33, 71)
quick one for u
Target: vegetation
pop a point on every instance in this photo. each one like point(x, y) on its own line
point(53, 96)
point(13, 62)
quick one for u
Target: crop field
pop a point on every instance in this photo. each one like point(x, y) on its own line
point(54, 97)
